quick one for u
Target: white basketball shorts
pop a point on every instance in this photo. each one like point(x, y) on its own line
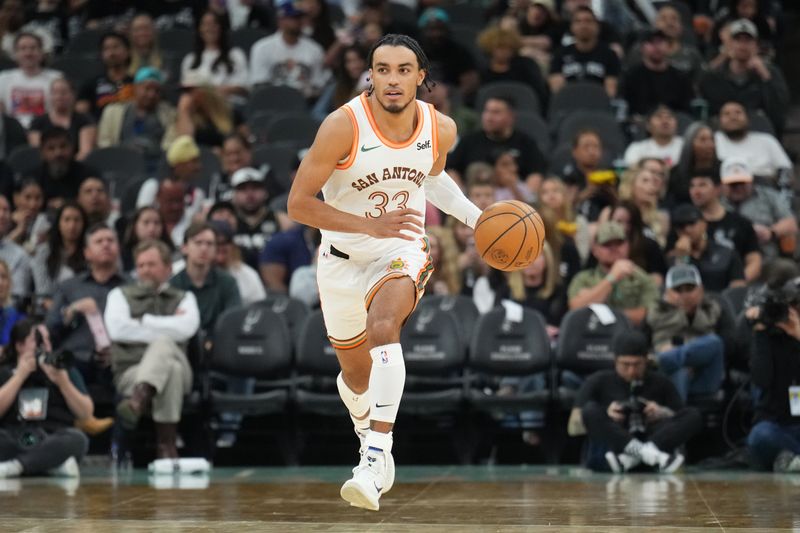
point(347, 286)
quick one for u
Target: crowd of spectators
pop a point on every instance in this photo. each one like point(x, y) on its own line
point(688, 196)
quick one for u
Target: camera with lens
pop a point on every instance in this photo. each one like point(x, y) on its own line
point(57, 359)
point(633, 408)
point(775, 303)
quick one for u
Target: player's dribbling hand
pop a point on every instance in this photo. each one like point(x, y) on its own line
point(390, 225)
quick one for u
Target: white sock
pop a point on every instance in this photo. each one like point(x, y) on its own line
point(12, 468)
point(357, 405)
point(379, 441)
point(386, 381)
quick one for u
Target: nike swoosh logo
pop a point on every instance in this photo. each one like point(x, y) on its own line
point(365, 149)
point(384, 405)
point(379, 489)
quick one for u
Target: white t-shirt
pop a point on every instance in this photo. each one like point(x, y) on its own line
point(26, 97)
point(649, 148)
point(762, 151)
point(251, 288)
point(301, 66)
point(220, 77)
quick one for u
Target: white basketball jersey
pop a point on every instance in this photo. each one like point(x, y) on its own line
point(380, 176)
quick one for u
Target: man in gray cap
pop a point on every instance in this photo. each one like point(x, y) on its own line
point(690, 332)
point(746, 77)
point(616, 280)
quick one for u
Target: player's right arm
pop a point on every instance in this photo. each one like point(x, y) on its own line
point(331, 145)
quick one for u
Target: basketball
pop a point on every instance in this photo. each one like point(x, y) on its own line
point(509, 235)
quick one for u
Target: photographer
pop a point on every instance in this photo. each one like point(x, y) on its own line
point(635, 413)
point(39, 401)
point(774, 440)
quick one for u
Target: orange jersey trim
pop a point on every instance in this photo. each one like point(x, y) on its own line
point(434, 132)
point(349, 344)
point(375, 288)
point(351, 157)
point(383, 139)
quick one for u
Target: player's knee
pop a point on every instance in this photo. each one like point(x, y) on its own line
point(383, 330)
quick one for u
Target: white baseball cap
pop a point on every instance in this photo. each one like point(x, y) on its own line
point(246, 175)
point(735, 170)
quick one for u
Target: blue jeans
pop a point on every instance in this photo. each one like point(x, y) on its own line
point(235, 385)
point(697, 367)
point(767, 439)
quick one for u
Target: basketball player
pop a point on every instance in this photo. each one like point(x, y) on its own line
point(376, 160)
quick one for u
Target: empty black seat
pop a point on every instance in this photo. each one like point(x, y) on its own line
point(434, 358)
point(504, 348)
point(254, 342)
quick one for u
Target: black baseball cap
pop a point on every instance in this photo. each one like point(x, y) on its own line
point(686, 214)
point(630, 342)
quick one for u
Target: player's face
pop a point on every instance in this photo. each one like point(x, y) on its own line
point(395, 76)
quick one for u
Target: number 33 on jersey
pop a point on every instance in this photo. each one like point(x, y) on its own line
point(379, 175)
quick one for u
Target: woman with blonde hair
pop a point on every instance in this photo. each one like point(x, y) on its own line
point(554, 195)
point(544, 290)
point(145, 51)
point(644, 190)
point(205, 114)
point(446, 277)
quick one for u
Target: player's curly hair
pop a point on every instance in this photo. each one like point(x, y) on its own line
point(397, 39)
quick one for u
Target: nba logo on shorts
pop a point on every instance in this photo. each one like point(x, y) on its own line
point(384, 357)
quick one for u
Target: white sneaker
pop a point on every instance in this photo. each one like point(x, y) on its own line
point(672, 464)
point(652, 456)
point(362, 437)
point(621, 463)
point(364, 489)
point(68, 468)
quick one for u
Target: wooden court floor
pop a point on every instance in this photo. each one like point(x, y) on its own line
point(439, 499)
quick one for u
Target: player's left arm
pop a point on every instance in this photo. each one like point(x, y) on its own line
point(440, 189)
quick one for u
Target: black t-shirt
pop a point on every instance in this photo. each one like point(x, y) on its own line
point(735, 232)
point(78, 122)
point(58, 414)
point(66, 186)
point(553, 308)
point(252, 239)
point(478, 147)
point(718, 267)
point(449, 60)
point(524, 70)
point(570, 262)
point(209, 135)
point(607, 386)
point(775, 366)
point(102, 91)
point(646, 89)
point(595, 65)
